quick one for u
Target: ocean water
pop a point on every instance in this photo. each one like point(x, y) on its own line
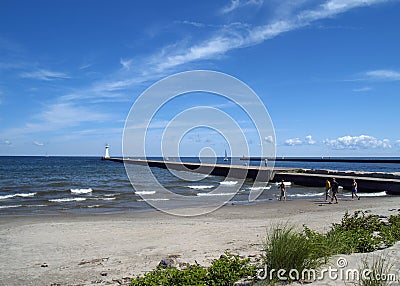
point(57, 185)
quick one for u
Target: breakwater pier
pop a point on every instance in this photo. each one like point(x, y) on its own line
point(367, 182)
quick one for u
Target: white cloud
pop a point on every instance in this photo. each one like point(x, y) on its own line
point(6, 142)
point(293, 142)
point(362, 89)
point(57, 117)
point(269, 139)
point(42, 74)
point(397, 143)
point(39, 144)
point(126, 64)
point(358, 142)
point(309, 140)
point(236, 4)
point(383, 75)
point(240, 36)
point(297, 141)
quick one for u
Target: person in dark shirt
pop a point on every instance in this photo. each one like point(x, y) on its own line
point(335, 189)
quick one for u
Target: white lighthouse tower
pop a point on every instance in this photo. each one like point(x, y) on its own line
point(107, 155)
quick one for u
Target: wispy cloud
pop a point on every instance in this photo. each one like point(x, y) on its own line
point(58, 117)
point(397, 143)
point(236, 4)
point(362, 89)
point(39, 144)
point(42, 74)
point(358, 142)
point(6, 142)
point(240, 36)
point(390, 75)
point(126, 64)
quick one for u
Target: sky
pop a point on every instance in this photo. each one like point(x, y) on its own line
point(328, 73)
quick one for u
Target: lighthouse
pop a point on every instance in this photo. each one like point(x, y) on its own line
point(107, 155)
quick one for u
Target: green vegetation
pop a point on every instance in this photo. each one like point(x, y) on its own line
point(380, 272)
point(286, 248)
point(224, 271)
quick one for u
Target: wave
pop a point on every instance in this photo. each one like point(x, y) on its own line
point(12, 206)
point(377, 194)
point(81, 191)
point(34, 206)
point(287, 184)
point(94, 206)
point(228, 183)
point(67, 200)
point(259, 188)
point(21, 195)
point(104, 199)
point(201, 187)
point(306, 195)
point(215, 194)
point(145, 192)
point(161, 199)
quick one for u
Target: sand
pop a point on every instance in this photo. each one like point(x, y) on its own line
point(105, 249)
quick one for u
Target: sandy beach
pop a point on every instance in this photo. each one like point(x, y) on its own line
point(105, 249)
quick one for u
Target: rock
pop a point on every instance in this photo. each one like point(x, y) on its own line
point(168, 262)
point(103, 273)
point(44, 265)
point(119, 281)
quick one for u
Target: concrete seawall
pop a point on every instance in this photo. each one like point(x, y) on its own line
point(367, 182)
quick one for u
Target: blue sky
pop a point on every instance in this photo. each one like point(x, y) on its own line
point(327, 71)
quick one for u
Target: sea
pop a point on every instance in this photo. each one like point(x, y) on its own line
point(31, 186)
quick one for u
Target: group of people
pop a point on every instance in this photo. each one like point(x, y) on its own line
point(331, 190)
point(333, 187)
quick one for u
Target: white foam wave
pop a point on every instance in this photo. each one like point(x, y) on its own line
point(287, 184)
point(201, 187)
point(214, 194)
point(34, 206)
point(106, 199)
point(94, 206)
point(6, 197)
point(306, 195)
point(377, 194)
point(161, 199)
point(68, 200)
point(12, 206)
point(259, 188)
point(21, 195)
point(26, 195)
point(145, 193)
point(81, 191)
point(228, 183)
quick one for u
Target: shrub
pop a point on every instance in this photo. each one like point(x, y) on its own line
point(379, 269)
point(284, 248)
point(224, 271)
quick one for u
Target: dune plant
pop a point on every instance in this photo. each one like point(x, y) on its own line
point(379, 272)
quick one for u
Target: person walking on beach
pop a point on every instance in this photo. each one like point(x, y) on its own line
point(327, 190)
point(282, 186)
point(335, 189)
point(354, 190)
